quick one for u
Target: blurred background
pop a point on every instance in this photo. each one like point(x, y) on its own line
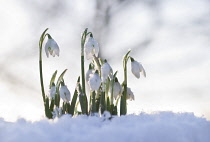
point(170, 38)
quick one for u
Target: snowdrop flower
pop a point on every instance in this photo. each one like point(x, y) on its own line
point(57, 112)
point(65, 93)
point(89, 72)
point(51, 47)
point(130, 95)
point(52, 91)
point(136, 68)
point(94, 81)
point(117, 89)
point(105, 71)
point(91, 48)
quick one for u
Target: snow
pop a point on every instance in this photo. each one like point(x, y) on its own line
point(156, 127)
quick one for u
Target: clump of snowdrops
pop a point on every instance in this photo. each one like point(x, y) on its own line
point(105, 89)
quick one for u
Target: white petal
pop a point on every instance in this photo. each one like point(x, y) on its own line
point(105, 71)
point(88, 50)
point(65, 94)
point(94, 82)
point(96, 48)
point(142, 70)
point(52, 92)
point(117, 90)
point(130, 95)
point(91, 48)
point(46, 48)
point(135, 68)
point(88, 73)
point(57, 50)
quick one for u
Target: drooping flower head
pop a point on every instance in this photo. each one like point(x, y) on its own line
point(51, 47)
point(117, 89)
point(65, 93)
point(130, 95)
point(94, 81)
point(91, 47)
point(106, 70)
point(57, 112)
point(89, 72)
point(52, 91)
point(136, 68)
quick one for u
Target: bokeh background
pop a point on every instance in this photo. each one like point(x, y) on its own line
point(170, 38)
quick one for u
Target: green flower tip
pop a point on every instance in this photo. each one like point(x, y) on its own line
point(91, 66)
point(49, 36)
point(62, 83)
point(132, 59)
point(116, 80)
point(53, 84)
point(78, 80)
point(91, 35)
point(96, 71)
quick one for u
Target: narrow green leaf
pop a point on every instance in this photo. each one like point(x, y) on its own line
point(53, 78)
point(102, 102)
point(52, 105)
point(108, 106)
point(82, 103)
point(123, 105)
point(47, 109)
point(63, 108)
point(73, 103)
point(93, 110)
point(61, 77)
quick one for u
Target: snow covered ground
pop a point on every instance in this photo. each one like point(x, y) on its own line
point(156, 127)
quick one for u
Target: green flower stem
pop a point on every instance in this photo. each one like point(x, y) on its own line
point(97, 63)
point(82, 60)
point(40, 63)
point(123, 103)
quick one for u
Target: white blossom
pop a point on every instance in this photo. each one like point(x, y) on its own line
point(94, 81)
point(91, 48)
point(117, 90)
point(57, 112)
point(65, 93)
point(136, 68)
point(105, 71)
point(51, 47)
point(130, 95)
point(88, 73)
point(52, 92)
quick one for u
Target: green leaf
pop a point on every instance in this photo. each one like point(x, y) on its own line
point(102, 102)
point(112, 89)
point(64, 108)
point(53, 78)
point(114, 110)
point(57, 99)
point(123, 105)
point(108, 106)
point(52, 105)
point(93, 94)
point(73, 103)
point(47, 109)
point(82, 103)
point(61, 77)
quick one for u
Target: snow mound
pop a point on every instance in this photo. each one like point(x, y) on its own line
point(158, 127)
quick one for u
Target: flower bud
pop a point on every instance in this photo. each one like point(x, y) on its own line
point(65, 93)
point(94, 81)
point(91, 48)
point(51, 47)
point(136, 68)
